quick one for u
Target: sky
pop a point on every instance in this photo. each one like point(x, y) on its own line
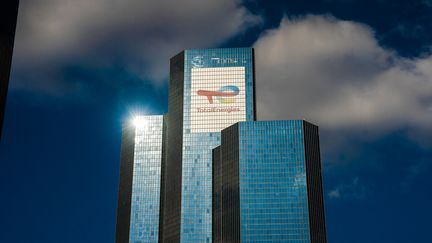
point(359, 69)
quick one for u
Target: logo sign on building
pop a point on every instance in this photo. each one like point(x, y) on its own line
point(198, 62)
point(218, 98)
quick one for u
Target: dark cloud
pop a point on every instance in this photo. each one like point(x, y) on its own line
point(139, 35)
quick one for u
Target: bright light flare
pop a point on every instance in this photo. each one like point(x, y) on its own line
point(139, 121)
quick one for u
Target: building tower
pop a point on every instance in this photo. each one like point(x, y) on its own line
point(140, 180)
point(267, 183)
point(183, 180)
point(209, 90)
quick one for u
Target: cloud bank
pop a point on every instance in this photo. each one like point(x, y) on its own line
point(335, 73)
point(331, 72)
point(138, 35)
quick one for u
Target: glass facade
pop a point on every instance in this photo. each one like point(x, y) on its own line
point(140, 181)
point(183, 180)
point(271, 183)
point(213, 89)
point(144, 222)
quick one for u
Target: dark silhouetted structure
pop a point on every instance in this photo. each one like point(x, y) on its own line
point(8, 19)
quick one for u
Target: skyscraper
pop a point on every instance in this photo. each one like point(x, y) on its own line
point(140, 180)
point(8, 19)
point(209, 90)
point(267, 183)
point(182, 180)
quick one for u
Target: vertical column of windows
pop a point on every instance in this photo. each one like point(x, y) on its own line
point(146, 181)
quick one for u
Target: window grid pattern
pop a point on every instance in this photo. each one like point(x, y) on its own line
point(273, 188)
point(146, 181)
point(196, 199)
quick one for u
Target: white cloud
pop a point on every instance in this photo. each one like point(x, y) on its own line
point(335, 74)
point(140, 34)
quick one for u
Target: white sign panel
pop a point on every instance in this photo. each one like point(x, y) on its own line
point(218, 98)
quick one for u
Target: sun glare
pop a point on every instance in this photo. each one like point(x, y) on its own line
point(139, 121)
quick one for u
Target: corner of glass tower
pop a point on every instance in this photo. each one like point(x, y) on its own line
point(139, 199)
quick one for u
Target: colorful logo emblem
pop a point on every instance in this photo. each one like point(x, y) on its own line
point(224, 95)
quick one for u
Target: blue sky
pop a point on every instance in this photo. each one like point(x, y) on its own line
point(361, 70)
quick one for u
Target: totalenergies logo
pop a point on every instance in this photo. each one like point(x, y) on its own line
point(224, 95)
